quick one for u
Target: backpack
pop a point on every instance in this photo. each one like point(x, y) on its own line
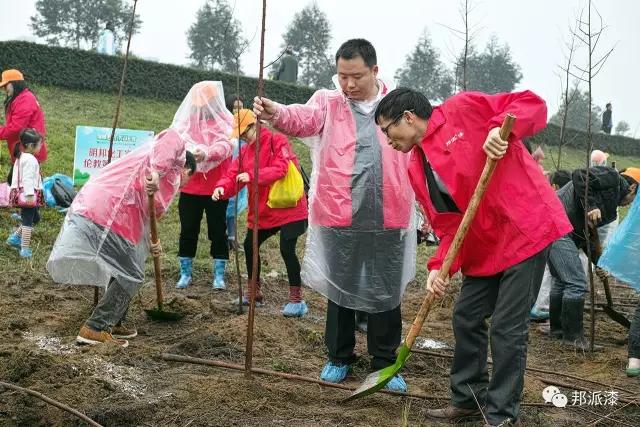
point(63, 193)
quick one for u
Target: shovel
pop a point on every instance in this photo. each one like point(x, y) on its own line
point(376, 380)
point(602, 275)
point(158, 313)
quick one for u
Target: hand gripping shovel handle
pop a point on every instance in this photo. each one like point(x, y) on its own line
point(154, 240)
point(467, 219)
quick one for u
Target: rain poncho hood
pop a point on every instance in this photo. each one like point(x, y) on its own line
point(106, 231)
point(203, 122)
point(361, 242)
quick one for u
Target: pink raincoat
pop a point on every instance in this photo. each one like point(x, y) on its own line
point(361, 242)
point(106, 231)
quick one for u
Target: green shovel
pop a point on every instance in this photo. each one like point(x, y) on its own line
point(377, 380)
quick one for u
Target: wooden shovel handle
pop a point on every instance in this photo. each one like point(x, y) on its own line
point(156, 260)
point(458, 239)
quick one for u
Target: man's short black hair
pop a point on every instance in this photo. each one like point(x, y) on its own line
point(403, 99)
point(358, 48)
point(190, 162)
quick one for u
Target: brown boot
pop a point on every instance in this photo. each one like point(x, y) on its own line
point(91, 337)
point(123, 332)
point(452, 413)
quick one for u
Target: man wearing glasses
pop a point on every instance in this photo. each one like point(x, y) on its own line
point(360, 251)
point(505, 251)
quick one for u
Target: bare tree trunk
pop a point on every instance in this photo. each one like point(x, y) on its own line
point(586, 190)
point(466, 45)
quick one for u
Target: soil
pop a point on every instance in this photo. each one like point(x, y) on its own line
point(135, 387)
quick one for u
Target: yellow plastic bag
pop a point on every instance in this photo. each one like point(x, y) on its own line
point(288, 190)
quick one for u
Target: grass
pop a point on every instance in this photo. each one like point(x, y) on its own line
point(66, 109)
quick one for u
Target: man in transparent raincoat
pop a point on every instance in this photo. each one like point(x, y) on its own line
point(104, 240)
point(361, 245)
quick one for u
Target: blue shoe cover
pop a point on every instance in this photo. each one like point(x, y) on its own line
point(334, 373)
point(295, 309)
point(396, 384)
point(14, 240)
point(25, 252)
point(538, 314)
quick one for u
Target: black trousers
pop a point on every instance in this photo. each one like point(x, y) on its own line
point(384, 332)
point(289, 234)
point(507, 298)
point(190, 208)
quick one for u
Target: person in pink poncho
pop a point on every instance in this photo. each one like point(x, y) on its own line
point(361, 243)
point(104, 240)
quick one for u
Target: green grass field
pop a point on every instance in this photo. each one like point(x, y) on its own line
point(66, 109)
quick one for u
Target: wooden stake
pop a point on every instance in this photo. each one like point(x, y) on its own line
point(294, 377)
point(96, 290)
point(50, 401)
point(254, 273)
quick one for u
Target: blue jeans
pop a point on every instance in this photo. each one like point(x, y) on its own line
point(570, 280)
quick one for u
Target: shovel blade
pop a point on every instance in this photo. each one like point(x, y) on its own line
point(377, 380)
point(163, 316)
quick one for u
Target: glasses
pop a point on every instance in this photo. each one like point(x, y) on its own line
point(394, 121)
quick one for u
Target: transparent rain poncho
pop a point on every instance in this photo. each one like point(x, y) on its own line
point(204, 123)
point(361, 244)
point(621, 255)
point(105, 234)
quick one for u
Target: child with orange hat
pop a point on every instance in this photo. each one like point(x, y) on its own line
point(274, 157)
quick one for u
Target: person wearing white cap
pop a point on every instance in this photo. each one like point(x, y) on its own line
point(599, 158)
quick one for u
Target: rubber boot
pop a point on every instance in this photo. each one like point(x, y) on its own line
point(555, 316)
point(572, 323)
point(186, 268)
point(219, 266)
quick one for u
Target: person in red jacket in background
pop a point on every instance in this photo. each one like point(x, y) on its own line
point(21, 110)
point(291, 223)
point(506, 248)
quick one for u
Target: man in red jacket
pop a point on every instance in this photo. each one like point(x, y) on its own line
point(506, 248)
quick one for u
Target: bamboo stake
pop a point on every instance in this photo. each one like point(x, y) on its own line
point(50, 402)
point(96, 290)
point(254, 272)
point(295, 377)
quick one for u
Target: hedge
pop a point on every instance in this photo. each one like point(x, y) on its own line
point(80, 69)
point(613, 144)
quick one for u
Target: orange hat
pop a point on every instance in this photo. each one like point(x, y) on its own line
point(247, 118)
point(203, 92)
point(9, 76)
point(633, 173)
